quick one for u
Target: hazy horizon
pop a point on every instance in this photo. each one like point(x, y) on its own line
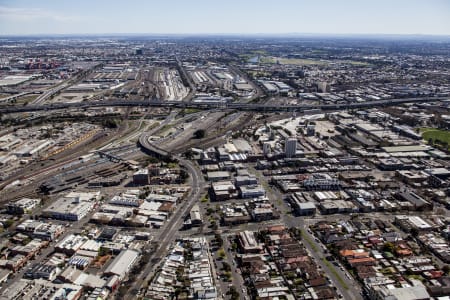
point(227, 34)
point(202, 17)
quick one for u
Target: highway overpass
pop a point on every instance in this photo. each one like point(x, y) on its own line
point(150, 149)
point(210, 105)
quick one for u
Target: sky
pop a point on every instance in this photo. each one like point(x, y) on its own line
point(30, 17)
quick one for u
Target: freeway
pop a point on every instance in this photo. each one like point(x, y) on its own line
point(215, 105)
point(49, 93)
point(15, 96)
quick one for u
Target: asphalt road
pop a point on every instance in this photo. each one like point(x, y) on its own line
point(352, 290)
point(168, 233)
point(75, 227)
point(215, 105)
point(237, 280)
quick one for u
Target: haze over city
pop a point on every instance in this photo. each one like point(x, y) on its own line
point(25, 17)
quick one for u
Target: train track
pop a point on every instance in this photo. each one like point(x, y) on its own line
point(43, 172)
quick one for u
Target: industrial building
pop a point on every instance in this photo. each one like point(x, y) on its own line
point(72, 207)
point(122, 263)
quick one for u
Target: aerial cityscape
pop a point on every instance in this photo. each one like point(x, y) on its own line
point(203, 164)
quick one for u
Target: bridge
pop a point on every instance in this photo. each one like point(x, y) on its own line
point(116, 159)
point(214, 105)
point(151, 149)
point(110, 156)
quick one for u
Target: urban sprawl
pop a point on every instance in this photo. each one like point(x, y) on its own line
point(224, 168)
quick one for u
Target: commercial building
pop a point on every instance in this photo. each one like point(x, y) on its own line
point(321, 182)
point(22, 206)
point(40, 230)
point(46, 271)
point(73, 275)
point(71, 244)
point(141, 177)
point(248, 242)
point(400, 293)
point(195, 216)
point(222, 190)
point(122, 263)
point(305, 209)
point(42, 289)
point(417, 201)
point(252, 191)
point(218, 176)
point(290, 147)
point(412, 222)
point(245, 180)
point(126, 201)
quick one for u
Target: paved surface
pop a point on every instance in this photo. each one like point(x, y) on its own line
point(353, 290)
point(215, 105)
point(75, 227)
point(167, 235)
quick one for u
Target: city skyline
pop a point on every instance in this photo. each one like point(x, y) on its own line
point(47, 17)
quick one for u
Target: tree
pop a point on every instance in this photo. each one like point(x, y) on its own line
point(199, 134)
point(189, 154)
point(226, 267)
point(219, 240)
point(446, 269)
point(102, 251)
point(389, 247)
point(233, 293)
point(183, 175)
point(8, 223)
point(234, 246)
point(221, 253)
point(110, 123)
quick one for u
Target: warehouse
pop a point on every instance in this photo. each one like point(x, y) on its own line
point(122, 263)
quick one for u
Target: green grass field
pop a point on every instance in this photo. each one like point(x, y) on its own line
point(300, 61)
point(436, 134)
point(355, 62)
point(188, 111)
point(267, 60)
